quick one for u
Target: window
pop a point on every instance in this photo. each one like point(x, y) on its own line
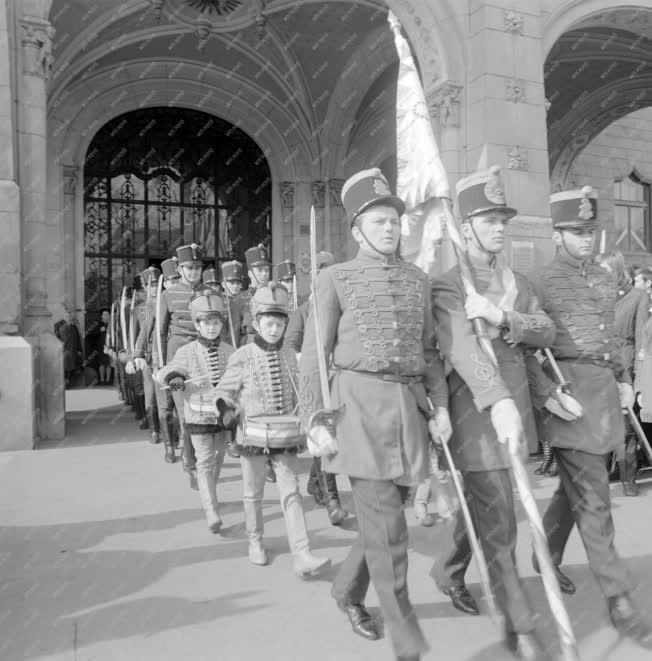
point(632, 214)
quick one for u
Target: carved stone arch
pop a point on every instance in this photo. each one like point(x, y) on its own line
point(287, 150)
point(571, 12)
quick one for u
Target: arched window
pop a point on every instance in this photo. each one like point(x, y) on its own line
point(632, 214)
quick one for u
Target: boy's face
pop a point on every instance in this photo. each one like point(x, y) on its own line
point(489, 229)
point(270, 327)
point(209, 327)
point(106, 316)
point(578, 241)
point(259, 275)
point(288, 283)
point(67, 317)
point(191, 272)
point(232, 287)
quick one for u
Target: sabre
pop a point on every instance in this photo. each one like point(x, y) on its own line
point(565, 386)
point(294, 291)
point(230, 318)
point(321, 357)
point(111, 326)
point(196, 378)
point(123, 322)
point(478, 553)
point(131, 322)
point(157, 321)
point(147, 299)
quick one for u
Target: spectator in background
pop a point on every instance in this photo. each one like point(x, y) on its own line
point(95, 342)
point(643, 279)
point(631, 316)
point(66, 330)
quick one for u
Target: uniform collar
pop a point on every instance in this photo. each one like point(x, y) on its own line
point(371, 256)
point(209, 343)
point(266, 346)
point(564, 258)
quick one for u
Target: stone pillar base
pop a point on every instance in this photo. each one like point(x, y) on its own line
point(18, 429)
point(49, 389)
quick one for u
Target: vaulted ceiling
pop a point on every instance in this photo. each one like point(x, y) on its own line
point(596, 73)
point(295, 54)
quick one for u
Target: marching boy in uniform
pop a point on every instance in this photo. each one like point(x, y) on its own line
point(195, 370)
point(491, 407)
point(142, 357)
point(260, 383)
point(177, 329)
point(580, 297)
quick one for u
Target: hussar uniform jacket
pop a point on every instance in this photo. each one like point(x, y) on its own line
point(378, 330)
point(260, 380)
point(580, 297)
point(177, 326)
point(474, 383)
point(204, 359)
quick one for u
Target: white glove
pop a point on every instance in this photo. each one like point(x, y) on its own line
point(626, 395)
point(641, 354)
point(477, 305)
point(321, 442)
point(639, 399)
point(130, 367)
point(140, 363)
point(439, 426)
point(565, 407)
point(506, 420)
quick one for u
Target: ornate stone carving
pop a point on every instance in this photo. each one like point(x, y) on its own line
point(444, 104)
point(70, 175)
point(513, 22)
point(287, 193)
point(318, 193)
point(157, 8)
point(515, 90)
point(219, 7)
point(335, 191)
point(303, 261)
point(517, 159)
point(37, 38)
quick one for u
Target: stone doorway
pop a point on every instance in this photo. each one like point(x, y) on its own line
point(158, 178)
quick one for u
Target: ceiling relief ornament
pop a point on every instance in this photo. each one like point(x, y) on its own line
point(209, 16)
point(219, 7)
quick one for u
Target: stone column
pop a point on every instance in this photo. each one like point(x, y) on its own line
point(17, 374)
point(70, 181)
point(506, 114)
point(36, 63)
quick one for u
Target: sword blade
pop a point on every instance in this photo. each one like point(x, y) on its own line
point(321, 357)
point(123, 319)
point(157, 321)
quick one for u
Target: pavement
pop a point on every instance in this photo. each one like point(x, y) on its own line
point(105, 556)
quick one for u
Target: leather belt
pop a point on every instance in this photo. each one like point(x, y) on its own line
point(394, 378)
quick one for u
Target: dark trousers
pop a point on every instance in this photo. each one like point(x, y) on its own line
point(379, 554)
point(583, 498)
point(491, 503)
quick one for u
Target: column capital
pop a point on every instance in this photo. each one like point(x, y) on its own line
point(36, 37)
point(444, 103)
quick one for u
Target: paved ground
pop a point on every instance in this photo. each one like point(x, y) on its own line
point(105, 556)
